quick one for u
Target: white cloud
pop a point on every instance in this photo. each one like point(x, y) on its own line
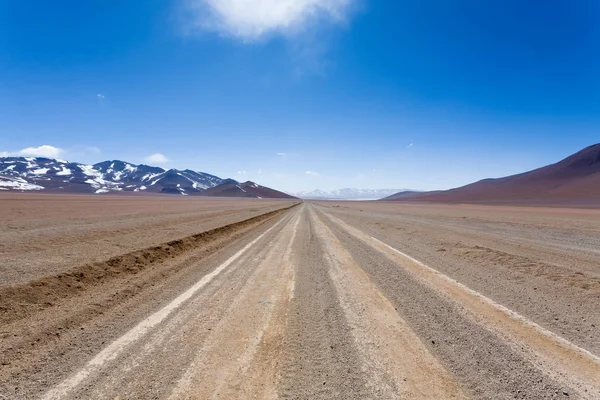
point(42, 151)
point(241, 172)
point(100, 96)
point(157, 158)
point(252, 19)
point(313, 173)
point(260, 171)
point(77, 152)
point(92, 149)
point(410, 145)
point(281, 154)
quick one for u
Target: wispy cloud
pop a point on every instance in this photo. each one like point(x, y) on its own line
point(250, 20)
point(282, 155)
point(74, 153)
point(242, 172)
point(82, 153)
point(91, 149)
point(313, 173)
point(157, 158)
point(260, 171)
point(42, 151)
point(410, 145)
point(100, 96)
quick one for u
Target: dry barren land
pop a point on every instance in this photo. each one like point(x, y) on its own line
point(169, 298)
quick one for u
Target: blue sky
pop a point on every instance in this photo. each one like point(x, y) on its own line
point(304, 94)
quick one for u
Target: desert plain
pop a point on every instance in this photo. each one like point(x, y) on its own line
point(156, 297)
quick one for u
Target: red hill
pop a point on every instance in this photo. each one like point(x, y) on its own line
point(574, 180)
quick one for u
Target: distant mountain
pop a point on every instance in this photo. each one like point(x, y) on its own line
point(28, 173)
point(348, 194)
point(405, 194)
point(232, 188)
point(574, 180)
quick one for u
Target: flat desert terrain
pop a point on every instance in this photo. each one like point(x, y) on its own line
point(178, 298)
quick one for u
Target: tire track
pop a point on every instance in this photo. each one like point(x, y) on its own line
point(487, 366)
point(558, 358)
point(151, 367)
point(239, 357)
point(21, 301)
point(35, 348)
point(397, 363)
point(320, 360)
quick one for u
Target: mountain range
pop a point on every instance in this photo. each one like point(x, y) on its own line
point(573, 180)
point(58, 176)
point(347, 194)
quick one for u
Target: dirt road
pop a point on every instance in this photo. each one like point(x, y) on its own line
point(318, 301)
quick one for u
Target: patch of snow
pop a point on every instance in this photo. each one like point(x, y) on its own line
point(65, 171)
point(19, 184)
point(102, 190)
point(94, 184)
point(89, 171)
point(160, 176)
point(41, 171)
point(97, 180)
point(9, 168)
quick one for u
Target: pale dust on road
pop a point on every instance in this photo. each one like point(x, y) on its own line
point(306, 306)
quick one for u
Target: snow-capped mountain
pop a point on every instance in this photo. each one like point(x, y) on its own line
point(348, 194)
point(28, 173)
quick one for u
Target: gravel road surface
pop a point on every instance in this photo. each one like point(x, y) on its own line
point(320, 301)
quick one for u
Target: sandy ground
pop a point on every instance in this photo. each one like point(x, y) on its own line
point(329, 300)
point(42, 235)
